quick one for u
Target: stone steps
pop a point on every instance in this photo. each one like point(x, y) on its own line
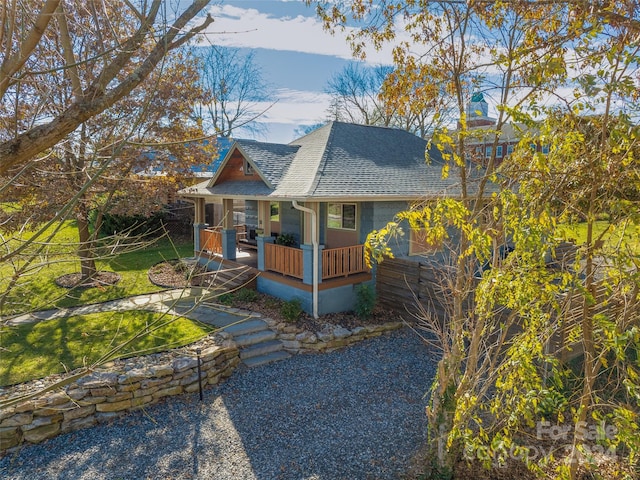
point(228, 278)
point(262, 348)
point(255, 338)
point(266, 358)
point(246, 327)
point(258, 344)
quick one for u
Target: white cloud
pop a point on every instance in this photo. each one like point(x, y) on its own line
point(250, 28)
point(296, 107)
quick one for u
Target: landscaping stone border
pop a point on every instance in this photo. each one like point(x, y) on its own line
point(116, 389)
point(126, 385)
point(331, 337)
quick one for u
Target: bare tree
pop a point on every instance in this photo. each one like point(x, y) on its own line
point(235, 91)
point(363, 94)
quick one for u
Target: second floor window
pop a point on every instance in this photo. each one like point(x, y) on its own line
point(488, 152)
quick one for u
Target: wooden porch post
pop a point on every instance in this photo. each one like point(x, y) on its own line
point(306, 234)
point(198, 222)
point(227, 213)
point(264, 217)
point(228, 231)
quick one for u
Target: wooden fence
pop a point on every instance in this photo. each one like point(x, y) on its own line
point(401, 285)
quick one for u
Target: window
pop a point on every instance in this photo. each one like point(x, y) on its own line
point(488, 152)
point(545, 149)
point(248, 169)
point(341, 216)
point(509, 149)
point(499, 151)
point(274, 212)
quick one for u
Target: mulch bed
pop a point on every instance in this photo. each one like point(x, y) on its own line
point(100, 279)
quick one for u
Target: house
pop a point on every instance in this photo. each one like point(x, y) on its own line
point(482, 140)
point(323, 193)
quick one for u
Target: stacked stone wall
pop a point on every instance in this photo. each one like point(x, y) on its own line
point(113, 391)
point(331, 337)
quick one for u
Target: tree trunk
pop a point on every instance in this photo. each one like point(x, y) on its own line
point(86, 247)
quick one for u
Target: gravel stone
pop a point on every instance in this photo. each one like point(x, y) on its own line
point(354, 413)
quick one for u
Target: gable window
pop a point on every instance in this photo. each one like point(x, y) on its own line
point(341, 216)
point(248, 169)
point(274, 210)
point(499, 151)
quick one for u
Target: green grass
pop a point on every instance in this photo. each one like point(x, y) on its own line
point(54, 346)
point(37, 290)
point(36, 350)
point(629, 237)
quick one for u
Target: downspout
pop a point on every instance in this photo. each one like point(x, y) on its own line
point(314, 242)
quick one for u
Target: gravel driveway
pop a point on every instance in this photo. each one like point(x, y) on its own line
point(355, 413)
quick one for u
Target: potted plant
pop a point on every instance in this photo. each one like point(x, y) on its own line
point(286, 239)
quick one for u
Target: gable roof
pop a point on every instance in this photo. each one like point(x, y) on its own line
point(339, 161)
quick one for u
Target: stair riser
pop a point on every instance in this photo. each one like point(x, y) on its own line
point(257, 350)
point(268, 358)
point(254, 338)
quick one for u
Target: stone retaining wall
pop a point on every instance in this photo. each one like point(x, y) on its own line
point(329, 338)
point(118, 388)
point(127, 385)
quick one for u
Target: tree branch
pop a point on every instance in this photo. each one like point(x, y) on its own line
point(97, 98)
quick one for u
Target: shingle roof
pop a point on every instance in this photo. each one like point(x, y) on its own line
point(343, 160)
point(271, 159)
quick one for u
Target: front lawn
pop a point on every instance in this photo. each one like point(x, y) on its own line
point(36, 289)
point(34, 351)
point(629, 237)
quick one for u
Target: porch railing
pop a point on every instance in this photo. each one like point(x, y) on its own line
point(284, 260)
point(211, 240)
point(342, 262)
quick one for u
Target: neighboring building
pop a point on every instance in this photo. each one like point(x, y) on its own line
point(481, 141)
point(324, 193)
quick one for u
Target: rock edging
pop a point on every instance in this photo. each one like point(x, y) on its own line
point(330, 338)
point(126, 385)
point(118, 388)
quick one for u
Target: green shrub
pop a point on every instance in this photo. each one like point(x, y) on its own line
point(226, 299)
point(366, 300)
point(246, 295)
point(291, 310)
point(147, 225)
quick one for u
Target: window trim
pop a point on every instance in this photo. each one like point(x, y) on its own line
point(247, 168)
point(271, 215)
point(342, 216)
point(488, 151)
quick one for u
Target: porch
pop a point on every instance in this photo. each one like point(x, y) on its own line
point(288, 272)
point(285, 260)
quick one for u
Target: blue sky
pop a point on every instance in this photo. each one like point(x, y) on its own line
point(296, 55)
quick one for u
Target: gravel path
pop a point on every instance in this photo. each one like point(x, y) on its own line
point(355, 413)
